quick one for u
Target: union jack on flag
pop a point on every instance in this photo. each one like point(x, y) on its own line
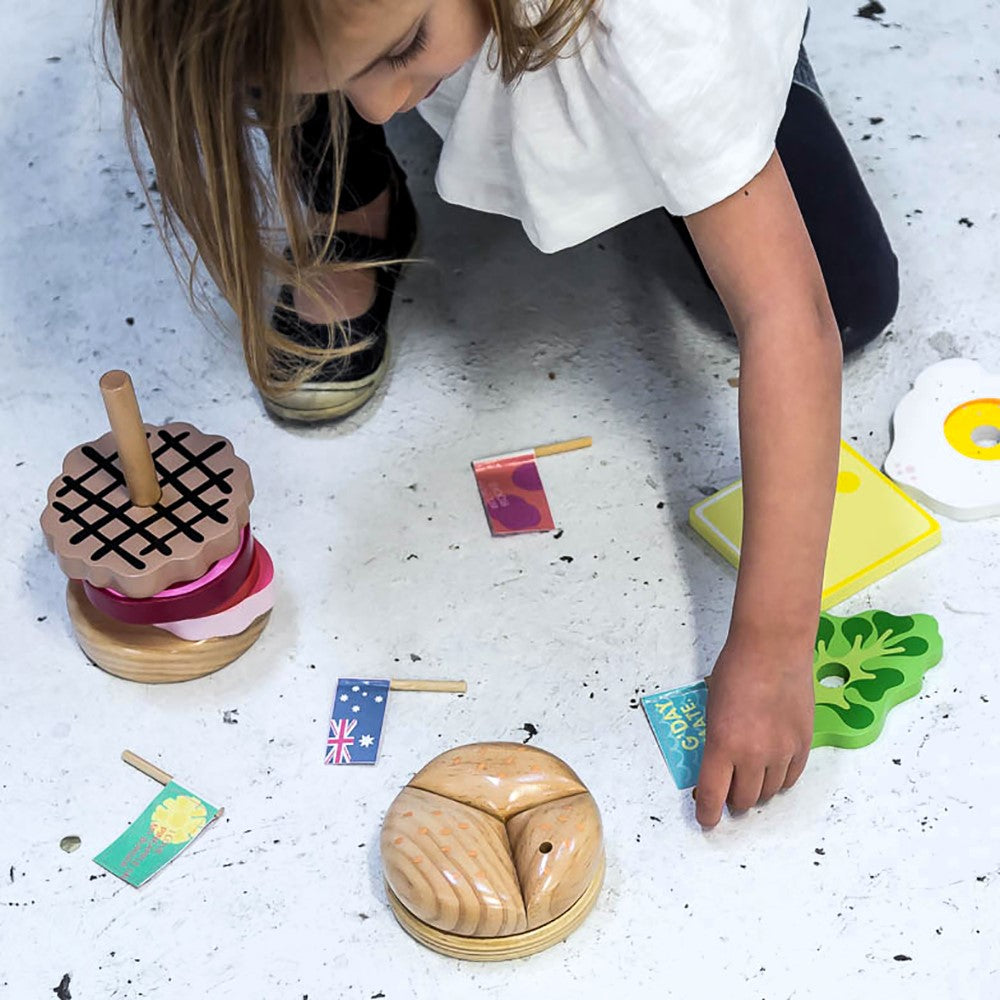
point(339, 741)
point(356, 721)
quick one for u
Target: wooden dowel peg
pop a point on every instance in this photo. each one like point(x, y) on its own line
point(453, 687)
point(560, 446)
point(130, 437)
point(150, 770)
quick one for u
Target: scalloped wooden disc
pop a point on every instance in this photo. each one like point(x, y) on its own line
point(148, 654)
point(100, 536)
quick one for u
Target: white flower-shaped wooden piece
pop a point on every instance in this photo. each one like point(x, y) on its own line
point(946, 440)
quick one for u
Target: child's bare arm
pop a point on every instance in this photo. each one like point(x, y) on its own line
point(756, 249)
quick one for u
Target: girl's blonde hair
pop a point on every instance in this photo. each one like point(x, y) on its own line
point(200, 79)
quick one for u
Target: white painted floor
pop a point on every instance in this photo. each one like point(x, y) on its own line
point(383, 556)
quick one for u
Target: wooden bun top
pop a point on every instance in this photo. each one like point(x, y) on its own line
point(100, 536)
point(499, 778)
point(492, 839)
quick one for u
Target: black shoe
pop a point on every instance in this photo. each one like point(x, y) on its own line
point(341, 386)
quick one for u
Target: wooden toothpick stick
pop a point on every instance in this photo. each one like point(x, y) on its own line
point(454, 687)
point(560, 446)
point(150, 770)
point(130, 437)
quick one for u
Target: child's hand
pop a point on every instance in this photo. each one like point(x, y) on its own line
point(760, 724)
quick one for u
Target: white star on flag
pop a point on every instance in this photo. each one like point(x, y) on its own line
point(343, 697)
point(355, 708)
point(378, 697)
point(366, 741)
point(355, 688)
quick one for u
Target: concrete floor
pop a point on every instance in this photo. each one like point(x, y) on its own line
point(878, 875)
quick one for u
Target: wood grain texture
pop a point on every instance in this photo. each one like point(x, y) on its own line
point(557, 848)
point(502, 779)
point(146, 653)
point(490, 850)
point(412, 684)
point(126, 425)
point(452, 866)
point(499, 949)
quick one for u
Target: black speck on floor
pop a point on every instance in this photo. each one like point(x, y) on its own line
point(62, 990)
point(12, 874)
point(130, 320)
point(378, 996)
point(558, 534)
point(365, 916)
point(566, 559)
point(412, 555)
point(54, 59)
point(968, 223)
point(820, 850)
point(41, 618)
point(871, 10)
point(531, 730)
point(897, 760)
point(229, 716)
point(414, 658)
point(656, 819)
point(901, 958)
point(877, 120)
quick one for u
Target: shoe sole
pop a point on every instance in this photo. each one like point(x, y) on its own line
point(316, 401)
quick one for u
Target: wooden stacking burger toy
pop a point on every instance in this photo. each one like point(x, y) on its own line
point(151, 525)
point(493, 851)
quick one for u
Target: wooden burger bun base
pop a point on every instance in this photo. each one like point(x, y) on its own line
point(499, 949)
point(492, 851)
point(149, 654)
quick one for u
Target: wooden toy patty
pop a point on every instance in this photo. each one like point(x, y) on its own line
point(493, 851)
point(99, 535)
point(151, 525)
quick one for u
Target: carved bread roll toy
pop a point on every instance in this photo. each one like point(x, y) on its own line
point(151, 525)
point(493, 851)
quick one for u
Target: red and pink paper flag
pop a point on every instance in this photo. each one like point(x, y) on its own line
point(513, 495)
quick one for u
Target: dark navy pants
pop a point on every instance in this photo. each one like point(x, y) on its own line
point(858, 264)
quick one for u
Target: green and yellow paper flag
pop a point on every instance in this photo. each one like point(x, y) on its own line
point(169, 823)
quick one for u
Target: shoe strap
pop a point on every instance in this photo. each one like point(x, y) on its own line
point(355, 247)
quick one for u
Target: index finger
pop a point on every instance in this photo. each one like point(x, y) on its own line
point(713, 786)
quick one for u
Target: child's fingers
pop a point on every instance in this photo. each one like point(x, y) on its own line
point(713, 787)
point(774, 780)
point(746, 786)
point(795, 769)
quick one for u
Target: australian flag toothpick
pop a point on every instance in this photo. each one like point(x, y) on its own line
point(356, 721)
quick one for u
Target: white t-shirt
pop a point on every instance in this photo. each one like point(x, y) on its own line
point(656, 103)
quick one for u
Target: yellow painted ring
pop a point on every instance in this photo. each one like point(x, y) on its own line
point(961, 425)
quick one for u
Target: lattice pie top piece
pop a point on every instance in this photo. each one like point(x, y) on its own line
point(99, 535)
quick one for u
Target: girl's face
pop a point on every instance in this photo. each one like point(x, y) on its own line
point(388, 55)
